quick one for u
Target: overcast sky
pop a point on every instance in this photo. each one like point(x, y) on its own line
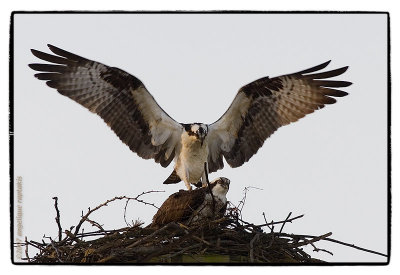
point(330, 166)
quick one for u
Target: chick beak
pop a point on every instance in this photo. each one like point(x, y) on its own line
point(202, 140)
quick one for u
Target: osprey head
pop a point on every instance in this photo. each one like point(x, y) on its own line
point(199, 130)
point(220, 186)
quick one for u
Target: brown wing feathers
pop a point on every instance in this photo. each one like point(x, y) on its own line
point(106, 91)
point(179, 207)
point(258, 110)
point(275, 102)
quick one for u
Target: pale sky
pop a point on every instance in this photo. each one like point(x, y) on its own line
point(330, 165)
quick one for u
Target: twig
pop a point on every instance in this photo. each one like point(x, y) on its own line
point(248, 225)
point(265, 219)
point(26, 249)
point(272, 238)
point(72, 236)
point(356, 247)
point(96, 224)
point(138, 200)
point(255, 238)
point(272, 226)
point(183, 250)
point(53, 244)
point(335, 241)
point(272, 223)
point(90, 211)
point(200, 240)
point(126, 205)
point(285, 221)
point(313, 240)
point(209, 186)
point(58, 219)
point(283, 224)
point(316, 249)
point(162, 229)
point(32, 243)
point(242, 202)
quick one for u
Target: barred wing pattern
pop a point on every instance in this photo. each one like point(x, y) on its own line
point(119, 98)
point(179, 207)
point(262, 106)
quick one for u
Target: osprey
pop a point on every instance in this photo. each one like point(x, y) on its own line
point(194, 205)
point(124, 103)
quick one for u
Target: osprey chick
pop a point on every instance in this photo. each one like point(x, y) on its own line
point(124, 103)
point(193, 205)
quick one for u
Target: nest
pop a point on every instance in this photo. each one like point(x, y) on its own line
point(226, 240)
point(219, 241)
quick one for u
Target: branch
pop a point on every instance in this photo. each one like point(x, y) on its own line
point(242, 202)
point(72, 236)
point(255, 238)
point(265, 219)
point(316, 249)
point(90, 211)
point(283, 224)
point(313, 240)
point(285, 221)
point(272, 223)
point(26, 249)
point(183, 250)
point(96, 224)
point(162, 229)
point(126, 205)
point(209, 187)
point(58, 218)
point(334, 241)
point(356, 247)
point(53, 244)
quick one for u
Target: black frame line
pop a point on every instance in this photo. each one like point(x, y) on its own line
point(217, 12)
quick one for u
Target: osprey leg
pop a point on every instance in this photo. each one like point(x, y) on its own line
point(204, 177)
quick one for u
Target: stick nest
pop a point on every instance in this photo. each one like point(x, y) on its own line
point(226, 240)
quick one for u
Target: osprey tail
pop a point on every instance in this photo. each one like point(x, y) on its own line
point(173, 178)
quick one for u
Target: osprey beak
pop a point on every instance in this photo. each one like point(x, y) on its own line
point(202, 140)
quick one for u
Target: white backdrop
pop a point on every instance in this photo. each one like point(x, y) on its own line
point(330, 166)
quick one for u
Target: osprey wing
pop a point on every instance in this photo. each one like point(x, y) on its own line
point(262, 106)
point(179, 207)
point(119, 98)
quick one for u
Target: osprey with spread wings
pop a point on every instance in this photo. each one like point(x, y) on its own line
point(124, 103)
